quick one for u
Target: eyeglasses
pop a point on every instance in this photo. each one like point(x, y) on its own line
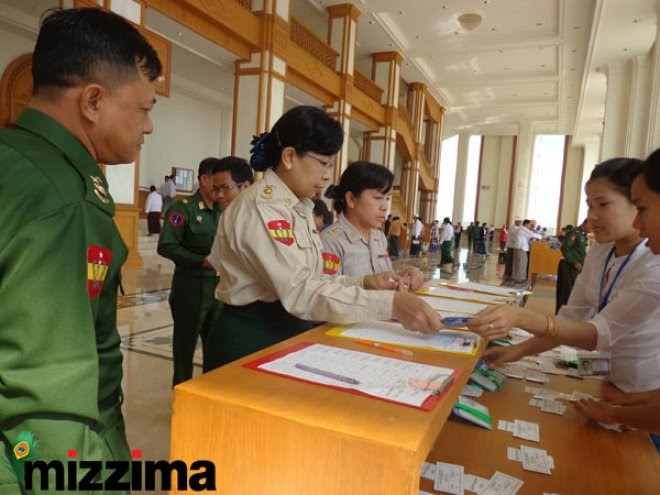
point(324, 164)
point(225, 188)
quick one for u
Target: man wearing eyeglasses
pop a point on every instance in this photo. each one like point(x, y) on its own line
point(186, 238)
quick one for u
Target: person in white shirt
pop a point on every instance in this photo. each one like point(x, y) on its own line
point(153, 207)
point(416, 242)
point(614, 304)
point(446, 236)
point(638, 410)
point(521, 253)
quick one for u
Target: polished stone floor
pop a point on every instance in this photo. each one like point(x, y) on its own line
point(145, 325)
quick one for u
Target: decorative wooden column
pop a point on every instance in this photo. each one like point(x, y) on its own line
point(381, 145)
point(342, 29)
point(259, 82)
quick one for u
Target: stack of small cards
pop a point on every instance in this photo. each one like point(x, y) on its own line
point(548, 405)
point(532, 459)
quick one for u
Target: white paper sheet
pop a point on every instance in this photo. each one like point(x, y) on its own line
point(428, 471)
point(449, 478)
point(453, 305)
point(466, 296)
point(535, 459)
point(371, 374)
point(502, 484)
point(491, 289)
point(474, 483)
point(526, 430)
point(393, 333)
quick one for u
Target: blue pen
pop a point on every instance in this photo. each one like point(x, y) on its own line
point(328, 374)
point(456, 321)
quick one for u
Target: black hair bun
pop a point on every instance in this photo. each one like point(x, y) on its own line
point(332, 192)
point(258, 160)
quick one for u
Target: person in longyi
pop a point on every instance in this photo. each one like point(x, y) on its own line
point(271, 268)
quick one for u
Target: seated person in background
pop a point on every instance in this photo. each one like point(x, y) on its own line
point(614, 303)
point(639, 410)
point(322, 216)
point(361, 202)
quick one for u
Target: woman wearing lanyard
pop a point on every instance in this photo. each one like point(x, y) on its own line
point(355, 240)
point(640, 410)
point(614, 303)
point(271, 268)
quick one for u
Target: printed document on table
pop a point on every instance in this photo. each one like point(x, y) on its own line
point(368, 373)
point(393, 333)
point(464, 295)
point(491, 289)
point(453, 305)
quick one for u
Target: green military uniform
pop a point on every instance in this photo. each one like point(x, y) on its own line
point(574, 250)
point(470, 235)
point(186, 239)
point(60, 261)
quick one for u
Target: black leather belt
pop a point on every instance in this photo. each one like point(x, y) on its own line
point(109, 401)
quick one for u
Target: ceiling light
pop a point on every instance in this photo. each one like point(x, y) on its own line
point(469, 21)
point(539, 24)
point(372, 22)
point(625, 49)
point(179, 33)
point(637, 21)
point(419, 37)
point(402, 12)
point(542, 65)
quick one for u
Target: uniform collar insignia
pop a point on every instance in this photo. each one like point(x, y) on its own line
point(100, 190)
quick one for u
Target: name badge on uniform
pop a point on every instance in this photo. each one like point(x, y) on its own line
point(199, 219)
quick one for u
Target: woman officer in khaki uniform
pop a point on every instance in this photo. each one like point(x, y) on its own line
point(271, 273)
point(361, 200)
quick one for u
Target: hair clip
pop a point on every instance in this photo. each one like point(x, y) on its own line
point(258, 143)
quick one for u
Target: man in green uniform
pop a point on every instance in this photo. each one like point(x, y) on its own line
point(187, 236)
point(470, 235)
point(574, 250)
point(60, 363)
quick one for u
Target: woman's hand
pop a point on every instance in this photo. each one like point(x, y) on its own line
point(495, 322)
point(500, 355)
point(382, 281)
point(599, 411)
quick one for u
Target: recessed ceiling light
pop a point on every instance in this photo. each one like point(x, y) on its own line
point(539, 24)
point(499, 51)
point(372, 22)
point(637, 21)
point(542, 65)
point(419, 37)
point(514, 94)
point(572, 69)
point(455, 32)
point(625, 49)
point(506, 68)
point(573, 50)
point(444, 6)
point(576, 27)
point(402, 12)
point(390, 44)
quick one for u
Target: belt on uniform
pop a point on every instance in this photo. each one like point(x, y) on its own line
point(203, 271)
point(109, 401)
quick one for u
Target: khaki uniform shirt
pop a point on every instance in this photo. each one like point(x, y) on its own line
point(270, 250)
point(356, 256)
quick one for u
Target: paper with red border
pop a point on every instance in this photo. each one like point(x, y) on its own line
point(427, 405)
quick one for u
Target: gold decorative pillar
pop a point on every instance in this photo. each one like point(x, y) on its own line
point(342, 29)
point(259, 82)
point(386, 70)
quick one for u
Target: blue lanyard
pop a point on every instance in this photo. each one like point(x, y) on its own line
point(603, 302)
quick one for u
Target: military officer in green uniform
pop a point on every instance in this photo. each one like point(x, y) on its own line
point(574, 250)
point(187, 236)
point(60, 363)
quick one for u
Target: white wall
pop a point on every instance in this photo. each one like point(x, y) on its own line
point(186, 130)
point(14, 42)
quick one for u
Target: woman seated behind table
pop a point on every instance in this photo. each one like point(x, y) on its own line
point(271, 268)
point(614, 303)
point(639, 410)
point(355, 244)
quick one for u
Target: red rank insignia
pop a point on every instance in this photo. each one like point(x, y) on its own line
point(331, 263)
point(176, 219)
point(280, 230)
point(98, 262)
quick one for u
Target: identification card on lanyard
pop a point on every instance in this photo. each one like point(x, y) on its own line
point(604, 299)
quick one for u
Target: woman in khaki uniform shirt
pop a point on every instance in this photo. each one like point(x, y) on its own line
point(361, 200)
point(271, 269)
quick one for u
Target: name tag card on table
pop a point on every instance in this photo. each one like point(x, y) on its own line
point(413, 384)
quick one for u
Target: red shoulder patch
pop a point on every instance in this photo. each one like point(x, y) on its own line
point(98, 263)
point(331, 263)
point(280, 230)
point(177, 219)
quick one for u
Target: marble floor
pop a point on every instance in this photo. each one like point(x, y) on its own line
point(145, 326)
